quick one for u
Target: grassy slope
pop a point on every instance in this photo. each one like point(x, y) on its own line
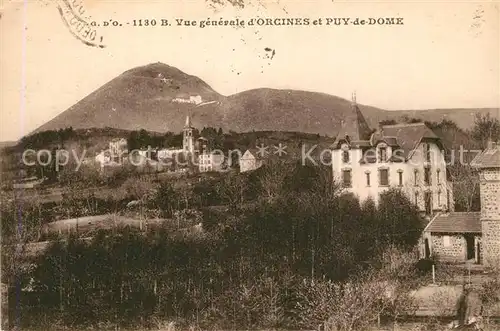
point(138, 98)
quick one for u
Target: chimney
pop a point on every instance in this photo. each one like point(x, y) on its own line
point(491, 145)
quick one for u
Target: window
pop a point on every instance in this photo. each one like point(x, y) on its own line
point(346, 178)
point(382, 154)
point(439, 198)
point(428, 203)
point(438, 173)
point(367, 179)
point(427, 151)
point(400, 177)
point(415, 176)
point(446, 241)
point(384, 177)
point(345, 156)
point(416, 198)
point(427, 176)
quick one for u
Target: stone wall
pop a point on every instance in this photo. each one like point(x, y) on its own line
point(490, 195)
point(491, 242)
point(490, 215)
point(455, 251)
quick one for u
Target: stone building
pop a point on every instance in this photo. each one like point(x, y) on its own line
point(453, 237)
point(461, 237)
point(488, 164)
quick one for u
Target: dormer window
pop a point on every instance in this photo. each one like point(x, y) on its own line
point(427, 151)
point(345, 156)
point(382, 154)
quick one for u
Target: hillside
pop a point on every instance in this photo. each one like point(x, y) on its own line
point(149, 97)
point(463, 117)
point(156, 97)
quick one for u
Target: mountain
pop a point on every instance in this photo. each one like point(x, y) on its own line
point(463, 117)
point(157, 97)
point(154, 97)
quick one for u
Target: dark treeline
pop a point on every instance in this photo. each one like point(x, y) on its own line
point(277, 260)
point(47, 138)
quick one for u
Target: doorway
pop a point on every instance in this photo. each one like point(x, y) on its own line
point(478, 252)
point(427, 249)
point(470, 243)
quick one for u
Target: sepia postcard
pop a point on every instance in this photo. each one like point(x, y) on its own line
point(250, 165)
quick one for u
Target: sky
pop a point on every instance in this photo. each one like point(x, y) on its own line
point(446, 55)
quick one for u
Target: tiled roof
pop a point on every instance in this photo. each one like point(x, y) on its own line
point(489, 158)
point(391, 141)
point(354, 126)
point(268, 154)
point(408, 135)
point(455, 223)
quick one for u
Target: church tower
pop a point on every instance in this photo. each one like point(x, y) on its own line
point(188, 139)
point(488, 165)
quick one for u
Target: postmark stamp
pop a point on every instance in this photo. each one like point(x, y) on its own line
point(78, 22)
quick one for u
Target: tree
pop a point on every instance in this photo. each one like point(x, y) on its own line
point(165, 199)
point(271, 177)
point(206, 192)
point(466, 189)
point(486, 128)
point(400, 218)
point(388, 122)
point(410, 120)
point(232, 189)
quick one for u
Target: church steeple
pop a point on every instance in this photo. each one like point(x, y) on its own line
point(188, 122)
point(188, 139)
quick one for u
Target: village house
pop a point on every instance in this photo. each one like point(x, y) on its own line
point(474, 236)
point(369, 161)
point(103, 158)
point(118, 147)
point(211, 161)
point(250, 160)
point(453, 237)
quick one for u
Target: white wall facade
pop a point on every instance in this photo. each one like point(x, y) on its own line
point(249, 162)
point(211, 162)
point(417, 162)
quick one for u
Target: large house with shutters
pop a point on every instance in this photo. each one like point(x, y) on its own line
point(369, 161)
